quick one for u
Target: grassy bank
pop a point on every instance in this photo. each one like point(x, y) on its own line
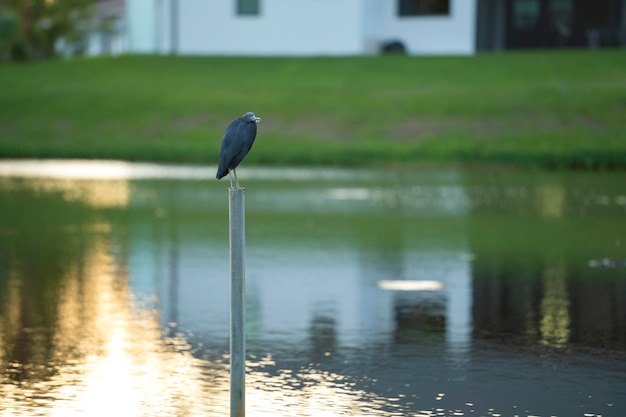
point(549, 109)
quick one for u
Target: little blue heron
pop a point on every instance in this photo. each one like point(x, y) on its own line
point(236, 144)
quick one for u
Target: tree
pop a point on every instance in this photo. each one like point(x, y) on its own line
point(30, 29)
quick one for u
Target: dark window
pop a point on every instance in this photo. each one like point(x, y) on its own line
point(248, 7)
point(525, 14)
point(423, 7)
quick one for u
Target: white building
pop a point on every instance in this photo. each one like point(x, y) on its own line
point(299, 27)
point(356, 27)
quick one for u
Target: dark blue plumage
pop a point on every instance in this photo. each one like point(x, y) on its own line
point(236, 144)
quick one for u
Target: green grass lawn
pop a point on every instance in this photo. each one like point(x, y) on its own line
point(548, 109)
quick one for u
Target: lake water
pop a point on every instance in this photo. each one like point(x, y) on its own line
point(433, 292)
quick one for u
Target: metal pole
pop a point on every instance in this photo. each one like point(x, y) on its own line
point(236, 200)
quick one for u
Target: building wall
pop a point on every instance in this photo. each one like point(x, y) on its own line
point(283, 27)
point(295, 27)
point(432, 35)
point(371, 24)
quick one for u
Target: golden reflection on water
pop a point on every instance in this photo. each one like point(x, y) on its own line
point(555, 316)
point(551, 200)
point(109, 357)
point(104, 354)
point(311, 392)
point(94, 193)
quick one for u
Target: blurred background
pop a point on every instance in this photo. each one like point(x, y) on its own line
point(435, 202)
point(278, 27)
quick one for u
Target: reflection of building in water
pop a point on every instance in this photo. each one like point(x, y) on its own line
point(531, 280)
point(597, 312)
point(323, 335)
point(549, 302)
point(307, 302)
point(312, 290)
point(313, 298)
point(440, 316)
point(75, 341)
point(420, 317)
point(422, 216)
point(320, 298)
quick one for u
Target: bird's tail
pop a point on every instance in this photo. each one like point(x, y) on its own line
point(221, 173)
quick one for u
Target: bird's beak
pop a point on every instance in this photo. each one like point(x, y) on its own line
point(257, 119)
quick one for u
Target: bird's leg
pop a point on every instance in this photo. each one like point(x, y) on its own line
point(236, 180)
point(230, 177)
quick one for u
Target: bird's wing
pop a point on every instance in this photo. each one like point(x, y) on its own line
point(250, 135)
point(243, 135)
point(228, 149)
point(236, 144)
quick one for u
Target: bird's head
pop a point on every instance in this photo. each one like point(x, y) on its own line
point(250, 117)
